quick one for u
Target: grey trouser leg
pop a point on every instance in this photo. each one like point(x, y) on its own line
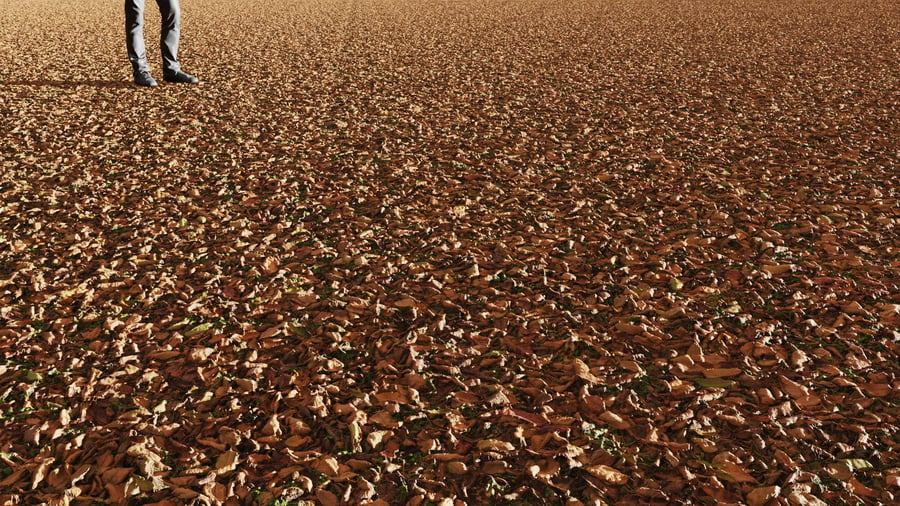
point(170, 11)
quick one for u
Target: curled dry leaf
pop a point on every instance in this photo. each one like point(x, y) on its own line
point(608, 474)
point(495, 445)
point(614, 420)
point(583, 371)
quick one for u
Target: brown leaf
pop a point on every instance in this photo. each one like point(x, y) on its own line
point(456, 467)
point(802, 498)
point(721, 372)
point(584, 372)
point(876, 389)
point(37, 476)
point(608, 474)
point(736, 473)
point(801, 394)
point(327, 498)
point(408, 302)
point(226, 462)
point(860, 489)
point(615, 420)
point(495, 467)
point(761, 496)
point(778, 269)
point(495, 445)
point(117, 475)
point(328, 466)
point(270, 265)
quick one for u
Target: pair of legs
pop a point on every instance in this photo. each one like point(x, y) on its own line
point(170, 11)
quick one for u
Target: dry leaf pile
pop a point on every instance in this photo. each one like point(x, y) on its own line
point(418, 252)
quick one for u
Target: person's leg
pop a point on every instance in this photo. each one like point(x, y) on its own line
point(134, 35)
point(170, 12)
point(170, 33)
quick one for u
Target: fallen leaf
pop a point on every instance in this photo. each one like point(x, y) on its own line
point(226, 462)
point(736, 473)
point(608, 474)
point(583, 371)
point(495, 445)
point(721, 372)
point(713, 382)
point(761, 496)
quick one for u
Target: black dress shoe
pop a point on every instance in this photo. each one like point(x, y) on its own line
point(179, 77)
point(143, 78)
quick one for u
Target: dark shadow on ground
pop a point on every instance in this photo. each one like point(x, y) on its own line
point(75, 83)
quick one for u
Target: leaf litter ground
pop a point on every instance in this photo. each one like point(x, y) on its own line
point(409, 252)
